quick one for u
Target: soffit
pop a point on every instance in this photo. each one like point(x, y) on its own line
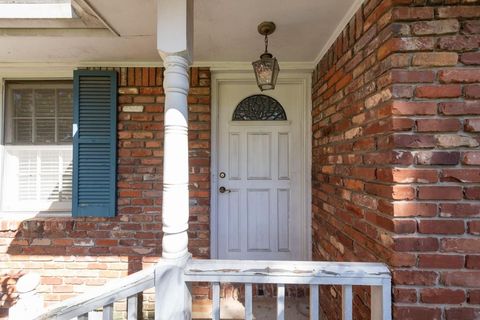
point(225, 30)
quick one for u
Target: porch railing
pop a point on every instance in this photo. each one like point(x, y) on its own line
point(314, 274)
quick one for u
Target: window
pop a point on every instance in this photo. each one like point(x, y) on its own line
point(259, 107)
point(37, 170)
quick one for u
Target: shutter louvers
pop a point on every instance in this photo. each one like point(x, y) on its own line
point(94, 143)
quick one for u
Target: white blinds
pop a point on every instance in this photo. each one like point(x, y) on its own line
point(37, 178)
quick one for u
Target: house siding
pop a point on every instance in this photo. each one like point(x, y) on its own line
point(395, 155)
point(74, 255)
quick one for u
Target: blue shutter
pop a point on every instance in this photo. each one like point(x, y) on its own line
point(94, 143)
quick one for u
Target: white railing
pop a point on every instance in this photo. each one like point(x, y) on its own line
point(166, 276)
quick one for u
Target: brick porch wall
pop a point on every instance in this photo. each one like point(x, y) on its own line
point(72, 255)
point(396, 174)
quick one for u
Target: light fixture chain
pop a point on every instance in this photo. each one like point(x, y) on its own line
point(266, 43)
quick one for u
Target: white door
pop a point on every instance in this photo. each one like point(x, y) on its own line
point(261, 207)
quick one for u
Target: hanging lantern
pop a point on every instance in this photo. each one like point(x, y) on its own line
point(266, 69)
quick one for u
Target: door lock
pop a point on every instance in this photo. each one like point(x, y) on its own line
point(224, 190)
point(222, 175)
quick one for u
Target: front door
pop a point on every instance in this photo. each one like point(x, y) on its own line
point(261, 176)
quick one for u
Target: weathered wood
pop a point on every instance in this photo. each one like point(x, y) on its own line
point(280, 301)
point(314, 302)
point(300, 272)
point(216, 301)
point(347, 302)
point(248, 302)
point(108, 312)
point(98, 297)
point(132, 307)
point(173, 299)
point(172, 278)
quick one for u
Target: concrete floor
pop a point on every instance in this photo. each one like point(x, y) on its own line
point(263, 308)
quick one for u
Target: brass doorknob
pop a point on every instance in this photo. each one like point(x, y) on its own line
point(223, 190)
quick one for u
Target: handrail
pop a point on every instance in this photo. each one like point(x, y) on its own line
point(294, 272)
point(105, 295)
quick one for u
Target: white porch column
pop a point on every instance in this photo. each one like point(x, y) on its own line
point(174, 43)
point(175, 158)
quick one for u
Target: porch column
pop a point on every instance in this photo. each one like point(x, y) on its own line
point(175, 158)
point(174, 43)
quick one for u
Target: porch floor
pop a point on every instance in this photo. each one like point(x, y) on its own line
point(263, 308)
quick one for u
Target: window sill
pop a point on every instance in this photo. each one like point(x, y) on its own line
point(19, 215)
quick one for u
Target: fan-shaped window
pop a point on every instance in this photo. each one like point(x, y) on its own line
point(259, 107)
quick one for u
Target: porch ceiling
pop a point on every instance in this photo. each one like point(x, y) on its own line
point(225, 30)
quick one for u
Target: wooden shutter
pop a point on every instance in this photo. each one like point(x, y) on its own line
point(94, 143)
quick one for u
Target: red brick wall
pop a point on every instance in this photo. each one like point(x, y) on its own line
point(73, 255)
point(396, 173)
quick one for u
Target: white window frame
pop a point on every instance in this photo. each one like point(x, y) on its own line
point(36, 72)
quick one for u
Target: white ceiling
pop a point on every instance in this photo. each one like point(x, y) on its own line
point(225, 30)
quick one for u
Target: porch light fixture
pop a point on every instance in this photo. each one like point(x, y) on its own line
point(266, 69)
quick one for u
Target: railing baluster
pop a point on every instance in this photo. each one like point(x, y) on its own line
point(248, 302)
point(108, 312)
point(216, 301)
point(132, 307)
point(314, 306)
point(347, 302)
point(280, 301)
point(83, 316)
point(380, 304)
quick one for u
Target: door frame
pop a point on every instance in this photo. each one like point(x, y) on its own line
point(301, 77)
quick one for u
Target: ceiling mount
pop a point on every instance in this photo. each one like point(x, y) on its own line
point(266, 28)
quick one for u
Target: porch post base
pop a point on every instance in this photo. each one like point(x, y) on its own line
point(173, 298)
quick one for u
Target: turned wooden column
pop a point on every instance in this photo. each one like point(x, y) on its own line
point(173, 298)
point(175, 163)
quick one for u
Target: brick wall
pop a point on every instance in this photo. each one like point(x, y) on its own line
point(395, 154)
point(73, 255)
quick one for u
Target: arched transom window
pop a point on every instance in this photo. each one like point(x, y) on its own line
point(259, 107)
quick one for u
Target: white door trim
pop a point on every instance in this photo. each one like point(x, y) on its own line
point(303, 78)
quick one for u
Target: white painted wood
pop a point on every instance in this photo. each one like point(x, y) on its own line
point(175, 28)
point(259, 232)
point(175, 205)
point(107, 312)
point(216, 301)
point(173, 299)
point(98, 297)
point(234, 156)
point(248, 302)
point(259, 153)
point(280, 301)
point(292, 74)
point(283, 158)
point(259, 159)
point(132, 307)
point(381, 307)
point(347, 302)
point(387, 298)
point(30, 302)
point(283, 218)
point(314, 302)
point(234, 240)
point(300, 272)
